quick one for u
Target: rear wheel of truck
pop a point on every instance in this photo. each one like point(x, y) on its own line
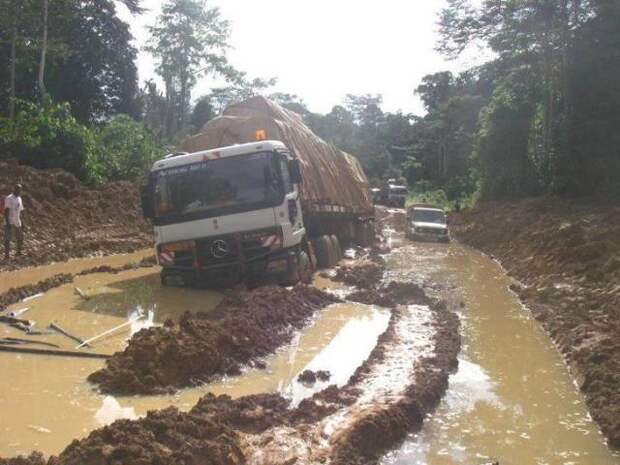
point(361, 234)
point(337, 249)
point(323, 250)
point(312, 255)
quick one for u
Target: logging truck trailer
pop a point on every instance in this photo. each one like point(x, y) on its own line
point(254, 196)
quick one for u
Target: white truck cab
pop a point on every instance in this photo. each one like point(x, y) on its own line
point(227, 214)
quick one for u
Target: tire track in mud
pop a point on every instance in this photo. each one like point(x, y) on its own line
point(388, 396)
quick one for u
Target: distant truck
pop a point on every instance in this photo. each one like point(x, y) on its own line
point(255, 194)
point(395, 195)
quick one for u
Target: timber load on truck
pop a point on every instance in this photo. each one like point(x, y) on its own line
point(333, 180)
point(254, 194)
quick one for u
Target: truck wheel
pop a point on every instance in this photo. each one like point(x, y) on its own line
point(337, 249)
point(361, 235)
point(305, 268)
point(299, 270)
point(350, 233)
point(322, 250)
point(312, 254)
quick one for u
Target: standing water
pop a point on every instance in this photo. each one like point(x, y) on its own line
point(512, 399)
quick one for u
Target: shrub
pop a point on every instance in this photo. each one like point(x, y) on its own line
point(48, 136)
point(127, 149)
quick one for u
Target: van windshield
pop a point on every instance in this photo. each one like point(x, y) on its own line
point(429, 216)
point(218, 187)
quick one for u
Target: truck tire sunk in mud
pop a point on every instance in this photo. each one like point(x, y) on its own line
point(336, 246)
point(325, 253)
point(299, 270)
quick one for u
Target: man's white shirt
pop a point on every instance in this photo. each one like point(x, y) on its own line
point(15, 205)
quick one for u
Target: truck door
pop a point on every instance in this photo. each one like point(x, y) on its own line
point(289, 213)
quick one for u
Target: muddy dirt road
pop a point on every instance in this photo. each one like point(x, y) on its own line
point(511, 398)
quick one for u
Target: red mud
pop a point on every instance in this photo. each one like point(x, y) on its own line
point(36, 458)
point(217, 429)
point(241, 329)
point(383, 428)
point(363, 274)
point(66, 219)
point(392, 294)
point(163, 437)
point(567, 256)
point(212, 432)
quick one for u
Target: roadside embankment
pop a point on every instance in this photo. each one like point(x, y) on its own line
point(66, 219)
point(566, 255)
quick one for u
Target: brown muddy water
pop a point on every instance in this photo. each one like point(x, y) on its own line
point(46, 403)
point(512, 398)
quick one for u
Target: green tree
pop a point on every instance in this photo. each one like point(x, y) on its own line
point(202, 112)
point(188, 40)
point(87, 44)
point(48, 136)
point(538, 42)
point(126, 151)
point(291, 102)
point(240, 88)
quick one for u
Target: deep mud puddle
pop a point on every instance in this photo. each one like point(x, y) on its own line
point(512, 398)
point(46, 401)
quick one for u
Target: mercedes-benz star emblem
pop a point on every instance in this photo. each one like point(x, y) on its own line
point(219, 248)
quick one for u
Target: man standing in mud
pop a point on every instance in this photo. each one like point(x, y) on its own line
point(13, 207)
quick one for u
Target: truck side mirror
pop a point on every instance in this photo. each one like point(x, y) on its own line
point(294, 171)
point(147, 201)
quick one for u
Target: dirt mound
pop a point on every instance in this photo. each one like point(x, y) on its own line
point(567, 256)
point(166, 437)
point(65, 219)
point(241, 329)
point(36, 458)
point(250, 414)
point(363, 274)
point(392, 294)
point(367, 439)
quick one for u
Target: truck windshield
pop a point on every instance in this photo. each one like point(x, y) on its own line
point(218, 187)
point(429, 216)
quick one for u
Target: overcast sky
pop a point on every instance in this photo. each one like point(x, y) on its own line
point(323, 49)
